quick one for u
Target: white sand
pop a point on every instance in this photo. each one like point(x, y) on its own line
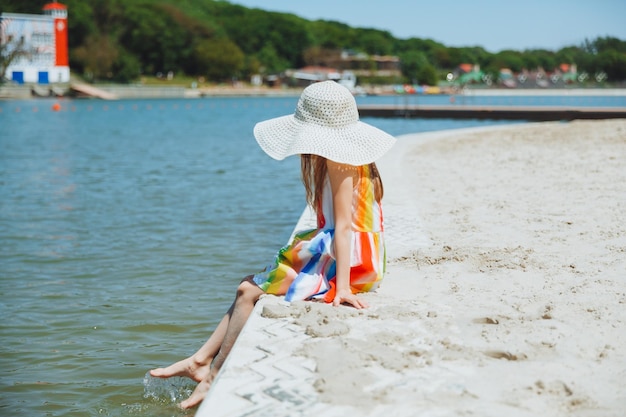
point(505, 293)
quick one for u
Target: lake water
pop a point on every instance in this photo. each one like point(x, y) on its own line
point(125, 228)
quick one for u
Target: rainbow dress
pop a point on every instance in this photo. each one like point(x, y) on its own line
point(305, 268)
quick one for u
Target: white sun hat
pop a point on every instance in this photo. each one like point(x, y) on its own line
point(325, 123)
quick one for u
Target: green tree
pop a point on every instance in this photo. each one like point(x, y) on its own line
point(331, 35)
point(428, 75)
point(606, 55)
point(158, 41)
point(248, 30)
point(271, 62)
point(416, 68)
point(374, 42)
point(613, 63)
point(107, 15)
point(539, 58)
point(458, 56)
point(21, 6)
point(81, 23)
point(251, 66)
point(506, 59)
point(218, 59)
point(440, 56)
point(604, 44)
point(289, 37)
point(569, 55)
point(126, 67)
point(252, 29)
point(97, 55)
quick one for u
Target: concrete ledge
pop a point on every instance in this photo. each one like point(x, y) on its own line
point(535, 113)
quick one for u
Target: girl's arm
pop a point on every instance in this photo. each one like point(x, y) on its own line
point(342, 179)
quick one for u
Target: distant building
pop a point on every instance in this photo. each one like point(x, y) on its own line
point(308, 75)
point(358, 63)
point(367, 65)
point(468, 74)
point(43, 41)
point(311, 74)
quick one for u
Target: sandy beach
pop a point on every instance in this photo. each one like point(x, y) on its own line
point(505, 293)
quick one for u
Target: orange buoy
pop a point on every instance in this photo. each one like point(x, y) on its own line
point(56, 107)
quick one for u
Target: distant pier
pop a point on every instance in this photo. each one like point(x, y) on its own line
point(534, 113)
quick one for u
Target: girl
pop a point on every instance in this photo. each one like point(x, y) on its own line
point(345, 254)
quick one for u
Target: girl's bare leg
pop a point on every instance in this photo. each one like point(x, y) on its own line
point(198, 365)
point(248, 294)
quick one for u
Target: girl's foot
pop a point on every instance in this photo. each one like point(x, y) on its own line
point(189, 368)
point(197, 396)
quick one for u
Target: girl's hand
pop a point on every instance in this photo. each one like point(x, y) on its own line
point(346, 297)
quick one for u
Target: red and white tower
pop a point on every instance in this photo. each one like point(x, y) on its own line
point(58, 12)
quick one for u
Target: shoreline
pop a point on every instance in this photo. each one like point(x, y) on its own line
point(596, 92)
point(503, 293)
point(122, 92)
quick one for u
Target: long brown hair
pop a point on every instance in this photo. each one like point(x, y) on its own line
point(314, 172)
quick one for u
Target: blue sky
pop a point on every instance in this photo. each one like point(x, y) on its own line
point(494, 25)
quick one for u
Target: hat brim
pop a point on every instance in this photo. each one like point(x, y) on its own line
point(355, 144)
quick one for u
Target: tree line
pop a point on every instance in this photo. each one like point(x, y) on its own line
point(120, 40)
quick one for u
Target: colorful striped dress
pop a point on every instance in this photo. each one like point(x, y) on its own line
point(305, 268)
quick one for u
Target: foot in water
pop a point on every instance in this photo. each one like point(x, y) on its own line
point(187, 367)
point(197, 396)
